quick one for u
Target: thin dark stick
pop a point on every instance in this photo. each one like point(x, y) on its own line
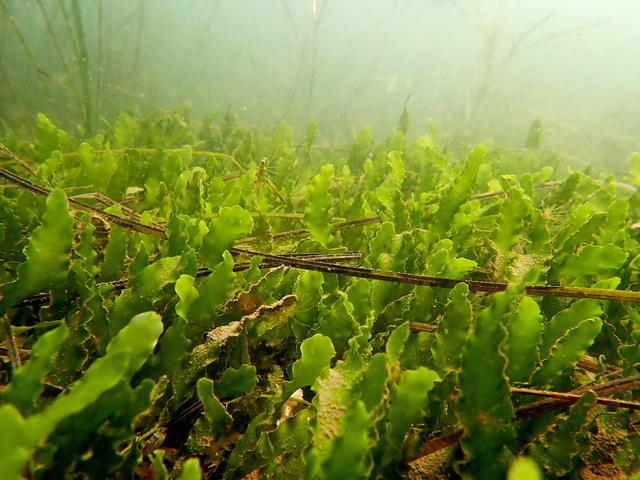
point(119, 285)
point(12, 348)
point(83, 65)
point(361, 222)
point(40, 190)
point(574, 397)
point(372, 274)
point(5, 151)
point(474, 285)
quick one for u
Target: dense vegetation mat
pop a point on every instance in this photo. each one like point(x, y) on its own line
point(226, 303)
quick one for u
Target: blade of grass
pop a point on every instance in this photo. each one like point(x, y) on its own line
point(83, 65)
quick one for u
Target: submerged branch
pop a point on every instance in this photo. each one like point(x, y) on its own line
point(613, 402)
point(474, 285)
point(12, 348)
point(119, 285)
point(370, 273)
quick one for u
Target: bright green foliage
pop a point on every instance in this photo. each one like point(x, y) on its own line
point(232, 223)
point(408, 399)
point(125, 131)
point(114, 254)
point(49, 138)
point(308, 289)
point(48, 254)
point(375, 379)
point(125, 355)
point(521, 347)
point(510, 222)
point(396, 342)
point(524, 468)
point(146, 286)
point(565, 320)
point(452, 330)
point(484, 409)
point(567, 350)
point(319, 210)
point(191, 470)
point(264, 371)
point(158, 465)
point(211, 293)
point(459, 190)
point(338, 323)
point(187, 294)
point(348, 455)
point(334, 394)
point(594, 260)
point(397, 167)
point(316, 352)
point(204, 355)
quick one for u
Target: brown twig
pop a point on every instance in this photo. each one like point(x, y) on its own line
point(372, 274)
point(613, 402)
point(12, 348)
point(5, 151)
point(118, 285)
point(474, 285)
point(40, 190)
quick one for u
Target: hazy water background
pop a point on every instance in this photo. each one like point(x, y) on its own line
point(478, 68)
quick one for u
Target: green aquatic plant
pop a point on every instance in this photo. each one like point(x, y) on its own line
point(163, 317)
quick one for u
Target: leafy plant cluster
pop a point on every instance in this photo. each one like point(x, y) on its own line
point(145, 335)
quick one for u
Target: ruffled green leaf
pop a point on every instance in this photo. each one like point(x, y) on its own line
point(27, 381)
point(125, 355)
point(525, 334)
point(408, 400)
point(594, 260)
point(567, 319)
point(459, 191)
point(231, 224)
point(48, 254)
point(349, 452)
point(484, 407)
point(524, 468)
point(316, 352)
point(191, 470)
point(145, 288)
point(308, 289)
point(453, 329)
point(114, 254)
point(319, 210)
point(510, 223)
point(395, 344)
point(567, 350)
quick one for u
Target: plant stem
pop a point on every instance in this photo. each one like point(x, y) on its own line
point(99, 66)
point(83, 66)
point(12, 348)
